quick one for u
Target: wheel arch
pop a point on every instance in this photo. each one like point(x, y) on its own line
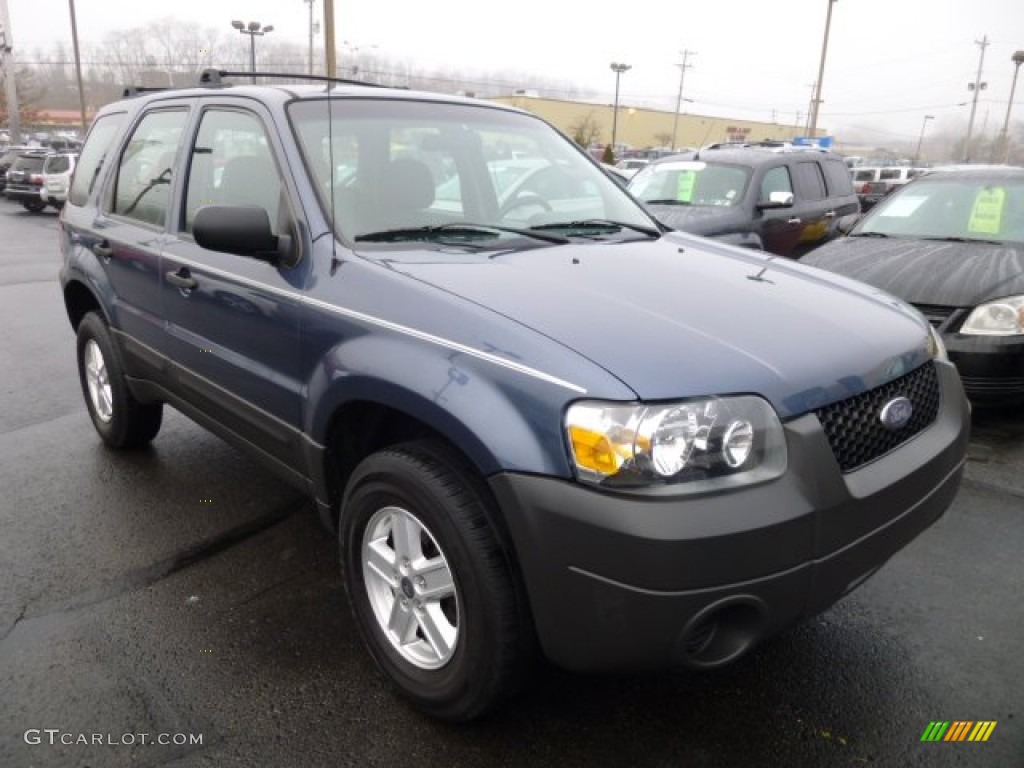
point(79, 301)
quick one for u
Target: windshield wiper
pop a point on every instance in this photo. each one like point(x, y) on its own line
point(964, 240)
point(867, 234)
point(667, 201)
point(454, 230)
point(599, 224)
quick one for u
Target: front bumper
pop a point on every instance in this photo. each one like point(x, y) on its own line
point(991, 367)
point(619, 582)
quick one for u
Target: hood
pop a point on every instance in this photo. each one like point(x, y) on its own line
point(676, 319)
point(926, 271)
point(698, 219)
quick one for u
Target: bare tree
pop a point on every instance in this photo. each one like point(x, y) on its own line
point(664, 138)
point(586, 129)
point(30, 92)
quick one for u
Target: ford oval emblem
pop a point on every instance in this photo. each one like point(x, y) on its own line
point(896, 413)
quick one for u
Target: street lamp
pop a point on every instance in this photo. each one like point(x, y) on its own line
point(917, 155)
point(1017, 59)
point(813, 126)
point(253, 29)
point(618, 69)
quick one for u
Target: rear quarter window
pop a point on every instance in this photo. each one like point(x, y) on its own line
point(97, 143)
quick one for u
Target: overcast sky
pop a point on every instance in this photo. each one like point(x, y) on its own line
point(890, 62)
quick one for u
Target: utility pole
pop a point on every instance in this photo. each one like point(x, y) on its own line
point(6, 46)
point(329, 52)
point(679, 97)
point(812, 127)
point(811, 108)
point(78, 67)
point(977, 86)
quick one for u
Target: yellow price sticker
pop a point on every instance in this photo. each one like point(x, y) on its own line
point(987, 213)
point(684, 186)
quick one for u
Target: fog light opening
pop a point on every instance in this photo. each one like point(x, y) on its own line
point(722, 632)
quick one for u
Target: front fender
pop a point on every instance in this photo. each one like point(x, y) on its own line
point(502, 420)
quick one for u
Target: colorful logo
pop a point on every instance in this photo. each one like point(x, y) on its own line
point(958, 730)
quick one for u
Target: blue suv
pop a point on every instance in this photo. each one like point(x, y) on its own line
point(539, 422)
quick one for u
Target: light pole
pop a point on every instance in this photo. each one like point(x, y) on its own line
point(977, 86)
point(813, 126)
point(253, 29)
point(618, 69)
point(1017, 59)
point(310, 4)
point(917, 155)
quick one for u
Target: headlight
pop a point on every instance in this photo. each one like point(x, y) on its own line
point(1004, 317)
point(936, 346)
point(692, 444)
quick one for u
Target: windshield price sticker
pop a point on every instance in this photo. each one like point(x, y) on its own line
point(684, 186)
point(987, 214)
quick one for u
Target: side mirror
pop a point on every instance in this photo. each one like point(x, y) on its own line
point(777, 199)
point(240, 229)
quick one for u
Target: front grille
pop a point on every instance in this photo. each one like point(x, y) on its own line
point(854, 428)
point(936, 314)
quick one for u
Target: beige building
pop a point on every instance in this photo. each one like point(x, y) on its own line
point(642, 128)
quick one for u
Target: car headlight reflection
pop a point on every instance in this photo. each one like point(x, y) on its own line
point(1004, 317)
point(688, 444)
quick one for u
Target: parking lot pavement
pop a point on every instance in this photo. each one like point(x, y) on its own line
point(996, 456)
point(183, 592)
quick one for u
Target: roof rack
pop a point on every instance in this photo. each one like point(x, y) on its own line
point(216, 77)
point(131, 91)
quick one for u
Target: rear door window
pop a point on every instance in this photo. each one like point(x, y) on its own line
point(837, 178)
point(145, 170)
point(810, 184)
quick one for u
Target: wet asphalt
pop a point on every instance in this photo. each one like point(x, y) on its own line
point(182, 593)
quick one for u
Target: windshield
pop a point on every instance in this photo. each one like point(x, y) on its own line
point(691, 182)
point(402, 165)
point(947, 206)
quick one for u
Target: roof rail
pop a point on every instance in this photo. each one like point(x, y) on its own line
point(131, 91)
point(216, 77)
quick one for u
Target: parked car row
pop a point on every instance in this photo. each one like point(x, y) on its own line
point(36, 177)
point(872, 183)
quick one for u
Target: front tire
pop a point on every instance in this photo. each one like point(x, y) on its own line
point(120, 419)
point(435, 595)
point(35, 206)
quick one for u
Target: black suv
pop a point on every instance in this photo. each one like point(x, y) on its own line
point(783, 200)
point(535, 420)
point(25, 179)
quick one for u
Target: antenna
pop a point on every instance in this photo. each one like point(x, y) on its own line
point(335, 261)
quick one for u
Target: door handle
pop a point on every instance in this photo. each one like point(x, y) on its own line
point(793, 221)
point(182, 279)
point(830, 215)
point(103, 250)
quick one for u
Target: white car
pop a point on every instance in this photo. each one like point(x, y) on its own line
point(57, 172)
point(631, 165)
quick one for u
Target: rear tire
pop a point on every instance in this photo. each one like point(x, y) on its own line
point(35, 206)
point(120, 419)
point(435, 595)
